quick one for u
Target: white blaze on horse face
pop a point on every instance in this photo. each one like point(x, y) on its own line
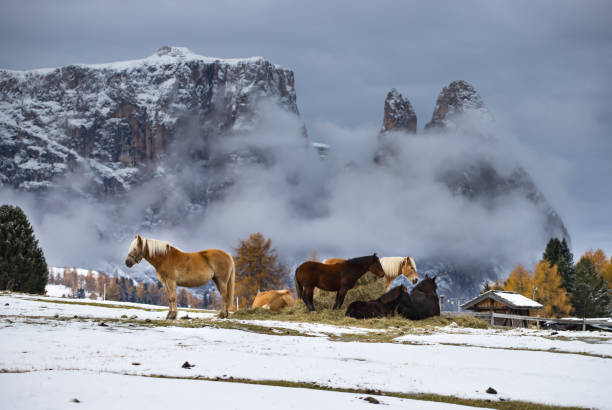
point(412, 263)
point(409, 269)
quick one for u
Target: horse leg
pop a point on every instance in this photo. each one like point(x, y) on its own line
point(225, 295)
point(340, 298)
point(307, 297)
point(170, 286)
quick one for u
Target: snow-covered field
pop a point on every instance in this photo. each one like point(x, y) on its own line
point(66, 358)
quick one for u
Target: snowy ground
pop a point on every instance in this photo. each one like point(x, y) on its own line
point(594, 343)
point(58, 389)
point(447, 361)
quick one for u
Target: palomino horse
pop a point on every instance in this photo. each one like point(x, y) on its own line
point(340, 277)
point(422, 302)
point(381, 307)
point(175, 267)
point(393, 267)
point(274, 300)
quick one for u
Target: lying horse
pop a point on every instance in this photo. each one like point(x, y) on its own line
point(340, 277)
point(393, 267)
point(381, 307)
point(274, 300)
point(175, 267)
point(422, 302)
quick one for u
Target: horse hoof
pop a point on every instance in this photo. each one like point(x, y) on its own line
point(223, 315)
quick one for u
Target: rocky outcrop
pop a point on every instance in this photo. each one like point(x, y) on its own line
point(461, 111)
point(458, 99)
point(115, 120)
point(399, 114)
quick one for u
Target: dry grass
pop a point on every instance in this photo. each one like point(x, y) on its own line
point(299, 313)
point(368, 287)
point(431, 397)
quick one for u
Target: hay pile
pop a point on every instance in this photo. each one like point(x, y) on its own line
point(368, 287)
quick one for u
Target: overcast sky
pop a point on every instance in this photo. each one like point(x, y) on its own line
point(543, 68)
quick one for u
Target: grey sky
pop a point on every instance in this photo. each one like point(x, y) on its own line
point(543, 68)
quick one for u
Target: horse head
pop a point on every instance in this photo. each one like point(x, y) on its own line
point(375, 267)
point(427, 285)
point(408, 269)
point(135, 253)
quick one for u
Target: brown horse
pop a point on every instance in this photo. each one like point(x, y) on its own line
point(381, 307)
point(422, 302)
point(393, 267)
point(274, 300)
point(340, 277)
point(175, 267)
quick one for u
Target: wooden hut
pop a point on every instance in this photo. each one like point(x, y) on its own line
point(501, 301)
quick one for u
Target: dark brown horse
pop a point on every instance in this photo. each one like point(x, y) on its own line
point(381, 307)
point(340, 277)
point(422, 302)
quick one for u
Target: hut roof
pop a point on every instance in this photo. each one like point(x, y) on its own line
point(511, 299)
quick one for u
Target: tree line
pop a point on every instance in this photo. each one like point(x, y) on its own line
point(562, 286)
point(257, 268)
point(121, 289)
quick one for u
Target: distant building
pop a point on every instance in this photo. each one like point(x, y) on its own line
point(501, 301)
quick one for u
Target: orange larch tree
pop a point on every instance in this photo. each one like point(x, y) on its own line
point(550, 291)
point(520, 281)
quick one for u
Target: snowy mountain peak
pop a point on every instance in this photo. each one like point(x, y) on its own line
point(110, 120)
point(173, 51)
point(457, 100)
point(399, 114)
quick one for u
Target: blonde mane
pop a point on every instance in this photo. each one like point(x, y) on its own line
point(392, 264)
point(154, 247)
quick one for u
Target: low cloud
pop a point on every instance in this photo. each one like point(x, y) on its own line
point(344, 205)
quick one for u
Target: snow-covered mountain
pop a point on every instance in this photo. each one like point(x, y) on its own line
point(461, 112)
point(149, 145)
point(457, 104)
point(115, 121)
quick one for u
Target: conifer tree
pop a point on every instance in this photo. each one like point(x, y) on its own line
point(607, 273)
point(550, 291)
point(257, 268)
point(497, 285)
point(591, 297)
point(22, 264)
point(314, 256)
point(182, 298)
point(520, 281)
point(558, 253)
point(90, 281)
point(113, 291)
point(599, 259)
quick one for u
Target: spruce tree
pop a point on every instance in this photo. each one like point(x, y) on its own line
point(591, 297)
point(22, 263)
point(558, 253)
point(257, 268)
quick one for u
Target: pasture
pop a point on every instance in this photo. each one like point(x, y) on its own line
point(59, 344)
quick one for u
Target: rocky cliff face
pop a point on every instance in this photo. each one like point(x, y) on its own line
point(115, 121)
point(457, 100)
point(460, 111)
point(398, 114)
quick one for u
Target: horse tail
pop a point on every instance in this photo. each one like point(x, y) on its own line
point(232, 280)
point(298, 286)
